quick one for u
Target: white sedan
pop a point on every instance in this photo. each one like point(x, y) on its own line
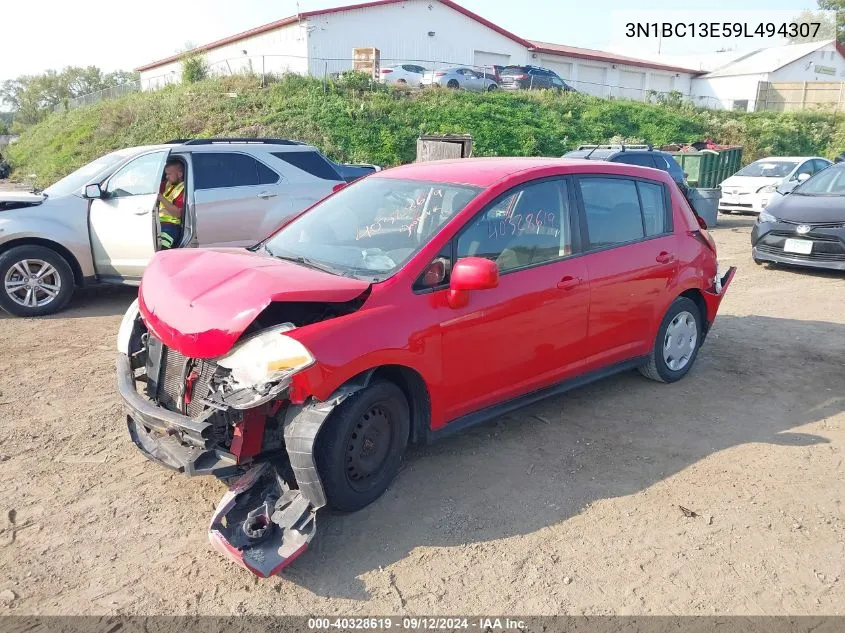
point(755, 185)
point(402, 75)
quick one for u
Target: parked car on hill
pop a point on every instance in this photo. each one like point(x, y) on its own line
point(402, 75)
point(532, 78)
point(97, 225)
point(805, 227)
point(755, 185)
point(410, 305)
point(459, 77)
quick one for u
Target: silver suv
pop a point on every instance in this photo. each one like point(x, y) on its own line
point(98, 224)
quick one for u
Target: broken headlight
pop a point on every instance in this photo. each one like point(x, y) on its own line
point(261, 366)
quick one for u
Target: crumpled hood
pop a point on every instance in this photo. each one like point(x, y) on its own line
point(747, 184)
point(200, 301)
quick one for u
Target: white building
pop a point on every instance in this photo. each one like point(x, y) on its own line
point(735, 85)
point(432, 33)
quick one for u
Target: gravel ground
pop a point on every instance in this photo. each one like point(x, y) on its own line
point(569, 506)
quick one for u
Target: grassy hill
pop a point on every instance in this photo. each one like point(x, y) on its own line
point(351, 122)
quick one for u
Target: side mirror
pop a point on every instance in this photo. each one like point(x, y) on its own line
point(93, 192)
point(471, 273)
point(803, 177)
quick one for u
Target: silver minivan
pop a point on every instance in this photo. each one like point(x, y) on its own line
point(98, 224)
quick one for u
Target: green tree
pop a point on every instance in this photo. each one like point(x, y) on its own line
point(839, 7)
point(32, 97)
point(827, 28)
point(194, 65)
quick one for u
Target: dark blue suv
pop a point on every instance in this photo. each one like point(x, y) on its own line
point(642, 155)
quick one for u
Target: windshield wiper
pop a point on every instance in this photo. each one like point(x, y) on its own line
point(306, 261)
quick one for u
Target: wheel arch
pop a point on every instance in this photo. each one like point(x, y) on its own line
point(697, 297)
point(78, 277)
point(412, 384)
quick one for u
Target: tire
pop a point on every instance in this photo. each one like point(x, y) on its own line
point(453, 83)
point(379, 414)
point(401, 82)
point(683, 317)
point(58, 280)
point(492, 88)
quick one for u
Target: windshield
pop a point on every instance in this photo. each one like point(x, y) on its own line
point(75, 181)
point(767, 169)
point(371, 228)
point(829, 182)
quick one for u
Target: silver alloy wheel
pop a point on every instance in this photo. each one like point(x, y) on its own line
point(32, 283)
point(681, 339)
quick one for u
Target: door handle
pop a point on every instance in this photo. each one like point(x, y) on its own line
point(266, 195)
point(141, 211)
point(569, 282)
point(664, 258)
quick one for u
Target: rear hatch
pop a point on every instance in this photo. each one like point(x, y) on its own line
point(510, 75)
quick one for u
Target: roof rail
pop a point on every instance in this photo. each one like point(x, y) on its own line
point(211, 141)
point(618, 146)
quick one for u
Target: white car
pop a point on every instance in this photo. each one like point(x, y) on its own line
point(755, 185)
point(402, 75)
point(460, 77)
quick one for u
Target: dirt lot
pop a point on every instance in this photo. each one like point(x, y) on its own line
point(570, 506)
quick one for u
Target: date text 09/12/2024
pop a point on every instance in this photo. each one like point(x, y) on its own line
point(722, 29)
point(415, 624)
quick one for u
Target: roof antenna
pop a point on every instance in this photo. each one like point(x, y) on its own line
point(591, 152)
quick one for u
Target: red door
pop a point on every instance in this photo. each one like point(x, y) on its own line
point(631, 267)
point(530, 331)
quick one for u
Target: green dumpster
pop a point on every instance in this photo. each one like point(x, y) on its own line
point(708, 168)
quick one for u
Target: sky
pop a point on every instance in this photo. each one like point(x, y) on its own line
point(116, 35)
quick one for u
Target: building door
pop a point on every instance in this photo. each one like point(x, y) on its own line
point(485, 61)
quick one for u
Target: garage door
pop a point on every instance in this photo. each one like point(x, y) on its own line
point(592, 80)
point(564, 69)
point(631, 85)
point(661, 83)
point(483, 59)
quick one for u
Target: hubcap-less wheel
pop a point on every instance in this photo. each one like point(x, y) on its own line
point(368, 446)
point(32, 283)
point(680, 341)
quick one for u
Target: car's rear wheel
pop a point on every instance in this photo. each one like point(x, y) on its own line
point(492, 87)
point(359, 451)
point(678, 341)
point(453, 83)
point(401, 82)
point(34, 281)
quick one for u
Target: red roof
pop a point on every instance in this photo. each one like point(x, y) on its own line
point(540, 47)
point(602, 56)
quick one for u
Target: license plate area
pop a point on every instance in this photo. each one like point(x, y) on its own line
point(801, 247)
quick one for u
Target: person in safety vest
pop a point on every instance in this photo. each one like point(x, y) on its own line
point(171, 203)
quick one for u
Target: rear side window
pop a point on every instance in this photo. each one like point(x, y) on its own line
point(612, 209)
point(653, 200)
point(218, 170)
point(310, 162)
point(643, 160)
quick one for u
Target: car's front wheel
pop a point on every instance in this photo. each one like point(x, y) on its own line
point(35, 281)
point(678, 341)
point(359, 450)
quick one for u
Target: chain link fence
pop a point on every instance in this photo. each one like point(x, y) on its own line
point(269, 67)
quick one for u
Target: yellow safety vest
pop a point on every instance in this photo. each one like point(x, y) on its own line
point(171, 192)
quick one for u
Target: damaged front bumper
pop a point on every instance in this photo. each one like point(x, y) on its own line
point(268, 517)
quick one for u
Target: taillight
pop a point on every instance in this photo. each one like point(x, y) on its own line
point(384, 71)
point(520, 76)
point(439, 74)
point(704, 237)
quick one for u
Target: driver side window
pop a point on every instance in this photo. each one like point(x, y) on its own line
point(139, 177)
point(528, 226)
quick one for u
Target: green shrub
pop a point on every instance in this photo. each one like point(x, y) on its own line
point(351, 119)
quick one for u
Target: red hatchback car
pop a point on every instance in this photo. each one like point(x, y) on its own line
point(409, 305)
